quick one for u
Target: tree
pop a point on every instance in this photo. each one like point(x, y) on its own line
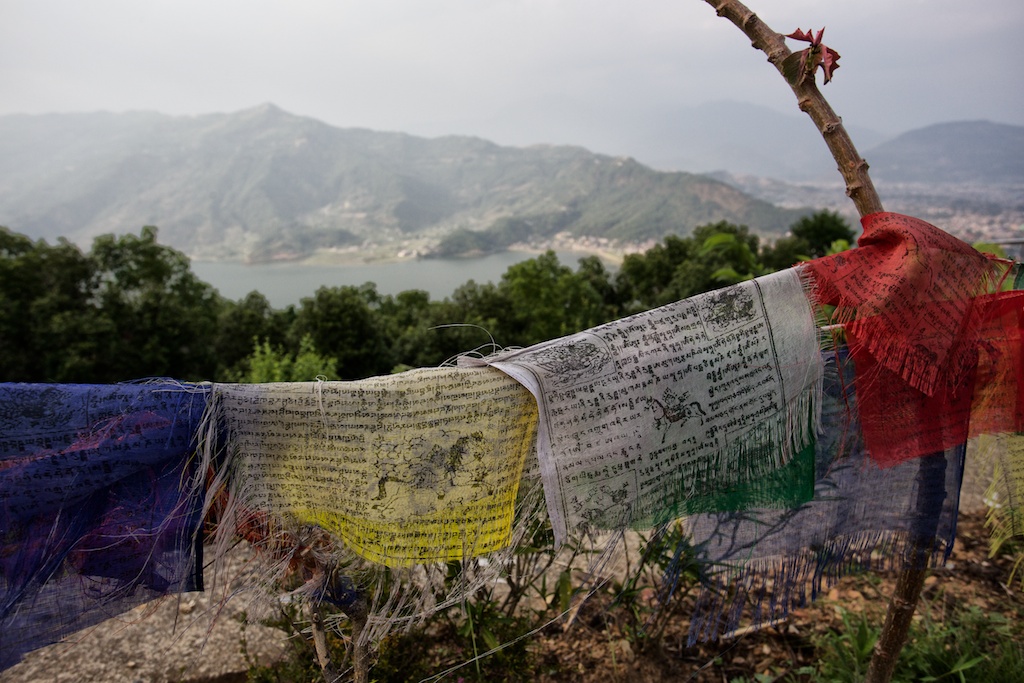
point(155, 318)
point(733, 249)
point(820, 230)
point(785, 252)
point(644, 280)
point(593, 272)
point(715, 255)
point(47, 317)
point(861, 190)
point(427, 333)
point(240, 322)
point(547, 300)
point(274, 364)
point(345, 325)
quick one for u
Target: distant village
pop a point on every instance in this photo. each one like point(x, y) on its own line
point(972, 212)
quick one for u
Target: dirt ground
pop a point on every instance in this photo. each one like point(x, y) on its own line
point(596, 650)
point(194, 640)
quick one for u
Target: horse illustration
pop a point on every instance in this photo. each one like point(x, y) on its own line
point(675, 409)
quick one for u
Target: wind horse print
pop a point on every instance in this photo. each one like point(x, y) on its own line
point(705, 404)
point(421, 466)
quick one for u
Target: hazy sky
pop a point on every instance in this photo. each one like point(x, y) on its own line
point(514, 71)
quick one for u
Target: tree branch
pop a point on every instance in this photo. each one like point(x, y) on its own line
point(319, 637)
point(862, 191)
point(810, 100)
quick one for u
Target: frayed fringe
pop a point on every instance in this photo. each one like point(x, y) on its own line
point(307, 565)
point(921, 367)
point(828, 335)
point(767, 589)
point(298, 562)
point(917, 365)
point(748, 474)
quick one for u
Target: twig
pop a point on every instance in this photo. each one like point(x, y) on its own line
point(360, 646)
point(319, 633)
point(931, 479)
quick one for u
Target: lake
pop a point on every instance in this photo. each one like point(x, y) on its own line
point(288, 283)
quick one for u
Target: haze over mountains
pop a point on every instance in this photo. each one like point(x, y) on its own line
point(263, 184)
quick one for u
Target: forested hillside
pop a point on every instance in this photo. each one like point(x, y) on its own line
point(131, 308)
point(959, 152)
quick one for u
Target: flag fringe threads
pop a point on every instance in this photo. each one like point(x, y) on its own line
point(771, 466)
point(759, 564)
point(766, 590)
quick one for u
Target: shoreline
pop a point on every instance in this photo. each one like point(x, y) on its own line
point(610, 257)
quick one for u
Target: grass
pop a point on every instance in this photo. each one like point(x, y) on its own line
point(965, 645)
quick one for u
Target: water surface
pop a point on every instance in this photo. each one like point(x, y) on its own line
point(288, 283)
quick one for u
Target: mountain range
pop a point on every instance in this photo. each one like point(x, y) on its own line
point(262, 184)
point(979, 152)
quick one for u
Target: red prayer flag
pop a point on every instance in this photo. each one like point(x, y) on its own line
point(907, 292)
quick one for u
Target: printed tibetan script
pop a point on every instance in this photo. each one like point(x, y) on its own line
point(420, 466)
point(644, 417)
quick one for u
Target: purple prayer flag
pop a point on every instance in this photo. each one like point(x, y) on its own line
point(100, 504)
point(862, 517)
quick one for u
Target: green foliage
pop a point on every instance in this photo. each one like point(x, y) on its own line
point(548, 300)
point(715, 255)
point(345, 324)
point(665, 555)
point(130, 308)
point(786, 252)
point(47, 316)
point(159, 317)
point(968, 645)
point(267, 364)
point(741, 261)
point(644, 280)
point(837, 247)
point(820, 230)
point(241, 322)
point(990, 248)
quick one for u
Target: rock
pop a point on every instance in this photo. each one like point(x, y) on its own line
point(158, 642)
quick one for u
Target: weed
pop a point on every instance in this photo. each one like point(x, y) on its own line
point(968, 645)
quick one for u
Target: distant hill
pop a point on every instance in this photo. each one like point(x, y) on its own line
point(742, 139)
point(961, 152)
point(738, 137)
point(264, 184)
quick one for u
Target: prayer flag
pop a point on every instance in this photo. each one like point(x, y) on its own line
point(99, 504)
point(421, 466)
point(862, 517)
point(913, 300)
point(695, 406)
point(907, 292)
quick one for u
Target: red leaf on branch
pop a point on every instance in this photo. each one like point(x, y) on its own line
point(807, 36)
point(801, 65)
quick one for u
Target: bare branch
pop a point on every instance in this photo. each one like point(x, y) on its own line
point(850, 164)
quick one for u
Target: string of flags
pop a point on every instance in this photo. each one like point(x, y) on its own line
point(793, 451)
